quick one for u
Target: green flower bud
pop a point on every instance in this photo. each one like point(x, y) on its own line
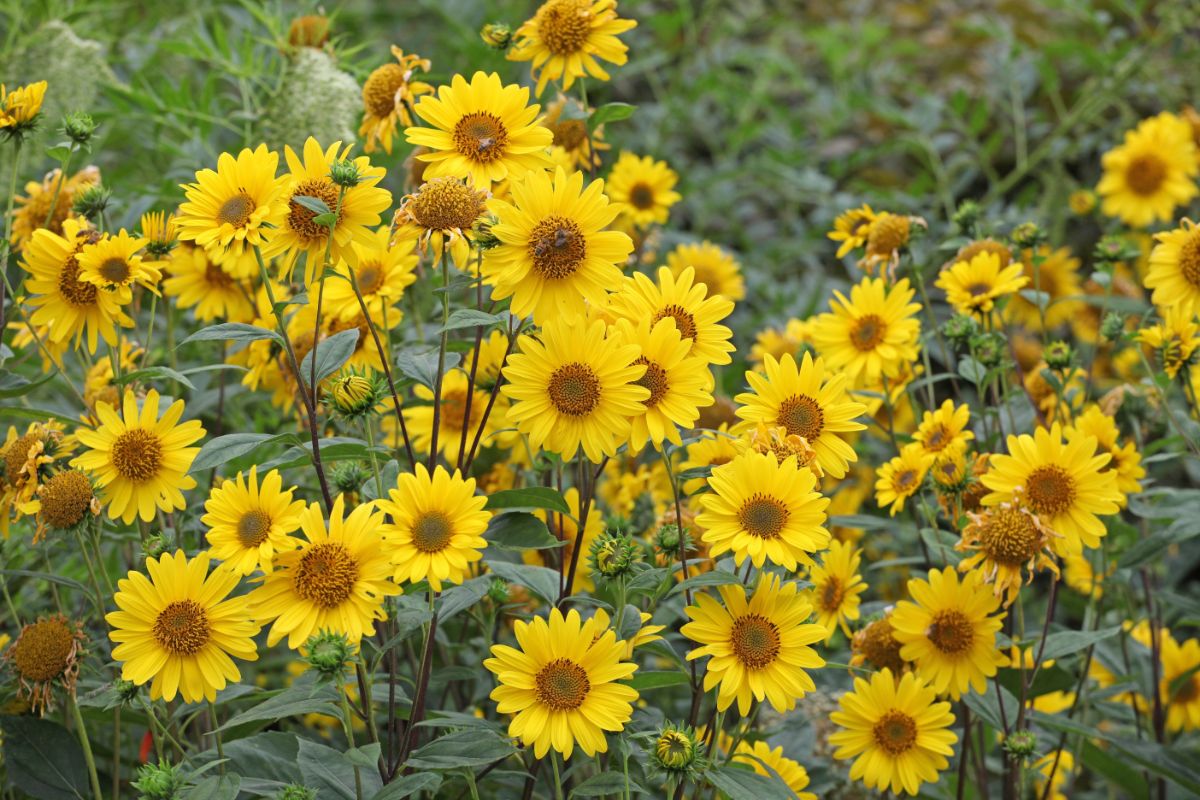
point(614, 555)
point(354, 395)
point(159, 781)
point(1112, 326)
point(496, 35)
point(328, 653)
point(1027, 234)
point(154, 546)
point(345, 173)
point(676, 749)
point(967, 216)
point(349, 476)
point(295, 791)
point(991, 349)
point(126, 690)
point(79, 128)
point(1058, 355)
point(1111, 249)
point(960, 328)
point(1021, 745)
point(91, 201)
point(498, 591)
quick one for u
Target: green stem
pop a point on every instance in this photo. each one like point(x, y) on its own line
point(62, 178)
point(558, 792)
point(349, 729)
point(93, 778)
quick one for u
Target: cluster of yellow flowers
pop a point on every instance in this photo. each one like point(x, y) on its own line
point(591, 394)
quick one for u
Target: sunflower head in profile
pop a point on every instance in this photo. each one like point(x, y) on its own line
point(177, 628)
point(482, 130)
point(973, 287)
point(872, 334)
point(388, 95)
point(555, 256)
point(575, 147)
point(896, 730)
point(567, 39)
point(851, 229)
point(46, 653)
point(1004, 541)
point(758, 646)
point(140, 461)
point(948, 631)
point(644, 188)
point(1151, 172)
point(836, 586)
point(250, 521)
point(21, 108)
point(561, 684)
point(440, 217)
point(876, 646)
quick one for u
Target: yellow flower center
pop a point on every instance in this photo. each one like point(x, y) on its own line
point(895, 732)
point(253, 528)
point(326, 575)
point(763, 516)
point(76, 292)
point(801, 415)
point(832, 593)
point(445, 204)
point(1009, 536)
point(1189, 258)
point(480, 136)
point(1050, 489)
point(867, 332)
point(216, 277)
point(300, 219)
point(951, 632)
point(370, 277)
point(432, 532)
point(236, 210)
point(182, 628)
point(43, 650)
point(562, 685)
point(879, 646)
point(557, 247)
point(379, 92)
point(115, 270)
point(655, 379)
point(15, 457)
point(570, 134)
point(755, 640)
point(889, 232)
point(574, 389)
point(684, 321)
point(564, 25)
point(65, 498)
point(641, 196)
point(1145, 174)
point(137, 455)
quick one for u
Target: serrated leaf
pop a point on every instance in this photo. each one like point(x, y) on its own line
point(531, 497)
point(330, 354)
point(232, 332)
point(520, 531)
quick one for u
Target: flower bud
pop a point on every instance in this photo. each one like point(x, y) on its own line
point(159, 781)
point(1021, 744)
point(91, 201)
point(328, 652)
point(498, 591)
point(345, 173)
point(960, 328)
point(79, 128)
point(294, 791)
point(1112, 326)
point(1058, 356)
point(496, 35)
point(991, 349)
point(676, 749)
point(967, 216)
point(353, 395)
point(613, 555)
point(1027, 234)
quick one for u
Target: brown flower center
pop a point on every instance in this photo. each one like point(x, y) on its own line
point(65, 498)
point(216, 277)
point(480, 136)
point(879, 646)
point(951, 632)
point(832, 593)
point(867, 332)
point(557, 247)
point(755, 641)
point(1009, 536)
point(137, 455)
point(1050, 489)
point(43, 650)
point(905, 480)
point(1189, 258)
point(76, 292)
point(564, 25)
point(655, 379)
point(432, 532)
point(253, 527)
point(895, 732)
point(445, 204)
point(300, 219)
point(801, 415)
point(684, 321)
point(15, 457)
point(326, 574)
point(641, 196)
point(570, 134)
point(979, 289)
point(562, 685)
point(574, 389)
point(115, 270)
point(236, 210)
point(379, 92)
point(182, 628)
point(370, 277)
point(1145, 174)
point(763, 516)
point(937, 438)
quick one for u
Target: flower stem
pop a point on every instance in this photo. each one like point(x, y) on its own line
point(86, 745)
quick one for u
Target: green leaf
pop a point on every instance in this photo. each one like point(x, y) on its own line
point(313, 204)
point(232, 332)
point(611, 112)
point(331, 773)
point(520, 531)
point(644, 680)
point(542, 581)
point(409, 785)
point(531, 497)
point(473, 748)
point(366, 756)
point(331, 354)
point(717, 577)
point(43, 759)
point(388, 473)
point(14, 385)
point(224, 449)
point(215, 787)
point(1068, 642)
point(154, 374)
point(37, 415)
point(59, 153)
point(327, 220)
point(1146, 550)
point(463, 596)
point(988, 707)
point(972, 370)
point(46, 576)
point(603, 783)
point(1115, 769)
point(302, 697)
point(470, 318)
point(742, 784)
point(420, 363)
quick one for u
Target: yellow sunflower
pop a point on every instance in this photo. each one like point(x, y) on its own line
point(874, 333)
point(1180, 684)
point(758, 647)
point(895, 730)
point(1126, 460)
point(1003, 541)
point(714, 267)
point(177, 629)
point(1151, 172)
point(39, 204)
point(554, 256)
point(565, 528)
point(562, 684)
point(482, 130)
point(678, 383)
point(645, 634)
point(566, 39)
point(112, 263)
point(947, 632)
point(1174, 340)
point(805, 402)
point(1056, 768)
point(696, 312)
point(335, 581)
point(437, 526)
point(876, 646)
point(20, 107)
point(836, 586)
point(778, 342)
point(644, 189)
point(574, 146)
point(248, 522)
point(195, 281)
point(851, 229)
point(902, 477)
point(572, 387)
point(360, 209)
point(388, 96)
point(1062, 480)
point(1079, 574)
point(1174, 272)
point(452, 417)
point(1054, 273)
point(944, 428)
point(764, 510)
point(140, 461)
point(236, 207)
point(973, 287)
point(382, 269)
point(711, 449)
point(68, 306)
point(440, 217)
point(759, 756)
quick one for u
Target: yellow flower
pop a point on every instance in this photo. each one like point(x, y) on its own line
point(335, 581)
point(235, 208)
point(973, 287)
point(1151, 172)
point(452, 418)
point(565, 528)
point(887, 235)
point(851, 228)
point(574, 147)
point(778, 342)
point(806, 402)
point(873, 333)
point(759, 756)
point(645, 634)
point(554, 256)
point(382, 270)
point(948, 633)
point(836, 586)
point(1126, 460)
point(195, 281)
point(482, 130)
point(678, 383)
point(440, 217)
point(895, 730)
point(1056, 766)
point(359, 210)
point(45, 653)
point(944, 428)
point(711, 449)
point(565, 40)
point(437, 526)
point(20, 107)
point(1174, 272)
point(573, 388)
point(764, 510)
point(1174, 339)
point(715, 268)
point(178, 628)
point(112, 263)
point(140, 461)
point(644, 188)
point(1062, 480)
point(901, 477)
point(876, 646)
point(697, 313)
point(1080, 575)
point(40, 204)
point(26, 462)
point(388, 96)
point(68, 306)
point(758, 647)
point(562, 684)
point(1054, 273)
point(1179, 665)
point(1004, 540)
point(248, 523)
